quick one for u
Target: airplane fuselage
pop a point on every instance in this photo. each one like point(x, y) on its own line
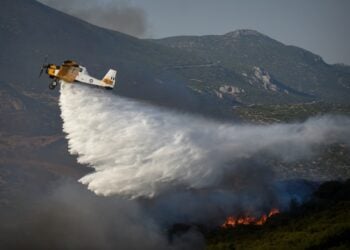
point(76, 73)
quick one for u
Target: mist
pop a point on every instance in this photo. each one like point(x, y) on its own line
point(139, 150)
point(67, 216)
point(115, 15)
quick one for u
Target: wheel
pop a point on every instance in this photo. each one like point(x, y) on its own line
point(53, 85)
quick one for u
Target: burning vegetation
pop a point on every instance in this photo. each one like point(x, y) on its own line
point(232, 221)
point(322, 222)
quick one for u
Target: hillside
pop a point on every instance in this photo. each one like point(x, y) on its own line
point(241, 76)
point(209, 74)
point(34, 153)
point(216, 76)
point(268, 64)
point(31, 127)
point(31, 30)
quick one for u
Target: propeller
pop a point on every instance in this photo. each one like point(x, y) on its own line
point(44, 66)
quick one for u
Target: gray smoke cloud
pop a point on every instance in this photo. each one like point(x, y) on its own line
point(139, 150)
point(116, 15)
point(67, 216)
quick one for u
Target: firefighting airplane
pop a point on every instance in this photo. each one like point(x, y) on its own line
point(72, 72)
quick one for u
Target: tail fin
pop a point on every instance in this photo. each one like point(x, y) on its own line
point(110, 78)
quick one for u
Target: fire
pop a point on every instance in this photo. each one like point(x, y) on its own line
point(273, 212)
point(232, 221)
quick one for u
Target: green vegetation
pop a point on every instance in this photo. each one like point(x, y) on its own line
point(322, 223)
point(289, 112)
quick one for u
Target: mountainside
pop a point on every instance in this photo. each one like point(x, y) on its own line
point(242, 75)
point(268, 64)
point(210, 74)
point(33, 148)
point(30, 30)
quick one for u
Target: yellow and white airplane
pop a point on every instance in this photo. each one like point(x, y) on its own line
point(71, 72)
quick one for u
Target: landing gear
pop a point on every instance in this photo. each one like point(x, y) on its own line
point(53, 84)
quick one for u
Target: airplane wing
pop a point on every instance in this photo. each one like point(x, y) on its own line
point(67, 73)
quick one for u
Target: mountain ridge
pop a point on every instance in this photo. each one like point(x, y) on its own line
point(35, 155)
point(210, 74)
point(244, 50)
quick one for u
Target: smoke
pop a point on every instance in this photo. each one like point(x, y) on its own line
point(116, 15)
point(139, 150)
point(69, 217)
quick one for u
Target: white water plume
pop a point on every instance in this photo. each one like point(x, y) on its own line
point(140, 150)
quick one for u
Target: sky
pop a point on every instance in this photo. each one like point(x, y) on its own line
point(321, 26)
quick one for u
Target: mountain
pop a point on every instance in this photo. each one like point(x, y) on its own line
point(31, 30)
point(209, 75)
point(265, 63)
point(33, 148)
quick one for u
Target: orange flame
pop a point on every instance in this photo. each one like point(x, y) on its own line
point(274, 211)
point(232, 221)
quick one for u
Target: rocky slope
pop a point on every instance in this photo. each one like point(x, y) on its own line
point(269, 65)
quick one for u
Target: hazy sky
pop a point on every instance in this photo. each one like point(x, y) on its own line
point(321, 26)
